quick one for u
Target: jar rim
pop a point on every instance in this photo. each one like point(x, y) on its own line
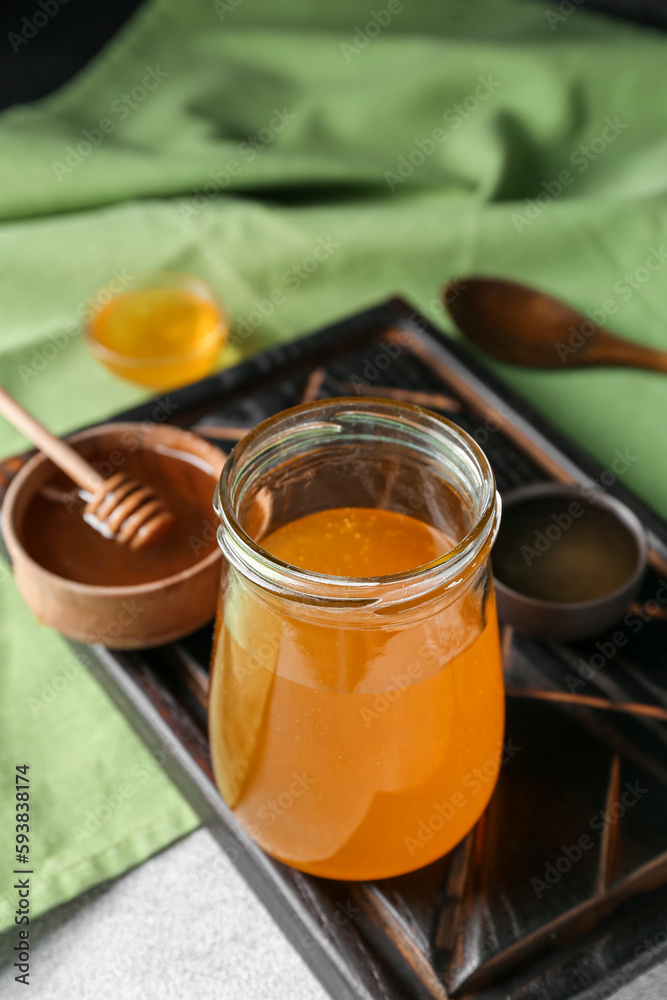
point(267, 568)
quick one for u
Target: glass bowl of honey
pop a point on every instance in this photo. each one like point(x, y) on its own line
point(356, 683)
point(162, 331)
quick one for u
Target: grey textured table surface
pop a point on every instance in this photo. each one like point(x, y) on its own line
point(183, 926)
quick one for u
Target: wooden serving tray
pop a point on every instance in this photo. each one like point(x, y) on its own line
point(561, 889)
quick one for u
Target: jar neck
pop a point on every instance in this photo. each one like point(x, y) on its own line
point(383, 446)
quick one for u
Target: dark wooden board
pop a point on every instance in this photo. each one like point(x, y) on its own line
point(514, 912)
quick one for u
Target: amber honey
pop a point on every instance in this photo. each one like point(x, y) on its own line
point(161, 335)
point(57, 537)
point(350, 747)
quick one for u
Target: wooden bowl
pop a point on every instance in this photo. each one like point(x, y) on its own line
point(120, 617)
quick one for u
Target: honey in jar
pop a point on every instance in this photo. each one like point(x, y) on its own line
point(356, 677)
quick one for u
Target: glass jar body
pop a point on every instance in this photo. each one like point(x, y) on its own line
point(356, 729)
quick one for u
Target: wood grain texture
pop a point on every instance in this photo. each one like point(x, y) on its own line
point(471, 924)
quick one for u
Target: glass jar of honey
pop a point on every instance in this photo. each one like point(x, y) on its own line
point(356, 708)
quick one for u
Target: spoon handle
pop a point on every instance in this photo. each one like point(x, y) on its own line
point(61, 454)
point(615, 351)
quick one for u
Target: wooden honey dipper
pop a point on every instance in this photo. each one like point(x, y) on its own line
point(120, 508)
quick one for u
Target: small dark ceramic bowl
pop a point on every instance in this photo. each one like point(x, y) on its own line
point(579, 618)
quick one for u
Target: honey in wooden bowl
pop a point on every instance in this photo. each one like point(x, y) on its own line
point(93, 589)
point(56, 535)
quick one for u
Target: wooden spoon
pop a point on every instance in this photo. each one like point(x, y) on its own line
point(119, 507)
point(524, 326)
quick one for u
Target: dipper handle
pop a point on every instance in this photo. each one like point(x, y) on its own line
point(60, 453)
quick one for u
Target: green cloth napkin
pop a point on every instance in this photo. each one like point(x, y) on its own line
point(309, 160)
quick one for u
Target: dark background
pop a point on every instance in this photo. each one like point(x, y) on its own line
point(80, 28)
